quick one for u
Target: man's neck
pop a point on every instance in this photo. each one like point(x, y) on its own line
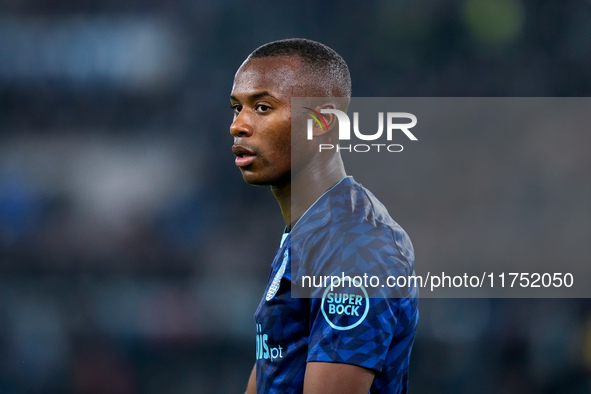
point(305, 188)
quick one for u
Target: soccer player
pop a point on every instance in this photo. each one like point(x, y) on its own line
point(363, 344)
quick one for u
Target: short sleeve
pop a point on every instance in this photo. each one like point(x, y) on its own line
point(360, 334)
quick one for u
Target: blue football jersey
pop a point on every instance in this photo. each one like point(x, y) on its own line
point(347, 231)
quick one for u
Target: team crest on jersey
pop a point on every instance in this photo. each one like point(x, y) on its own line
point(277, 279)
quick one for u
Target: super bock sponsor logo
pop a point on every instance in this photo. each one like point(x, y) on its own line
point(345, 309)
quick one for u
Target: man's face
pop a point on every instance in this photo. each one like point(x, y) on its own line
point(261, 99)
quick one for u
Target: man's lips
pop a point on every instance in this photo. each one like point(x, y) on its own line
point(244, 156)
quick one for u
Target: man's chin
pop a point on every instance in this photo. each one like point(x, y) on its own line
point(254, 180)
point(256, 183)
point(259, 180)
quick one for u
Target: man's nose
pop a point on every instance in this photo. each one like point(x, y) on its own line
point(241, 126)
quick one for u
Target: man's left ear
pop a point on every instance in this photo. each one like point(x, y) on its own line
point(328, 121)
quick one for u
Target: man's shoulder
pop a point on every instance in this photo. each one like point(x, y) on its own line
point(349, 215)
point(347, 205)
point(351, 233)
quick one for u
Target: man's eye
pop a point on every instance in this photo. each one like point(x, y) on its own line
point(263, 108)
point(236, 108)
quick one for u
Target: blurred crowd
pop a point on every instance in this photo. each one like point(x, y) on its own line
point(132, 255)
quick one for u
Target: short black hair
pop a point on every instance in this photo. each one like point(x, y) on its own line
point(318, 59)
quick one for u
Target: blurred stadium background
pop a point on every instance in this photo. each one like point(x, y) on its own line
point(132, 256)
